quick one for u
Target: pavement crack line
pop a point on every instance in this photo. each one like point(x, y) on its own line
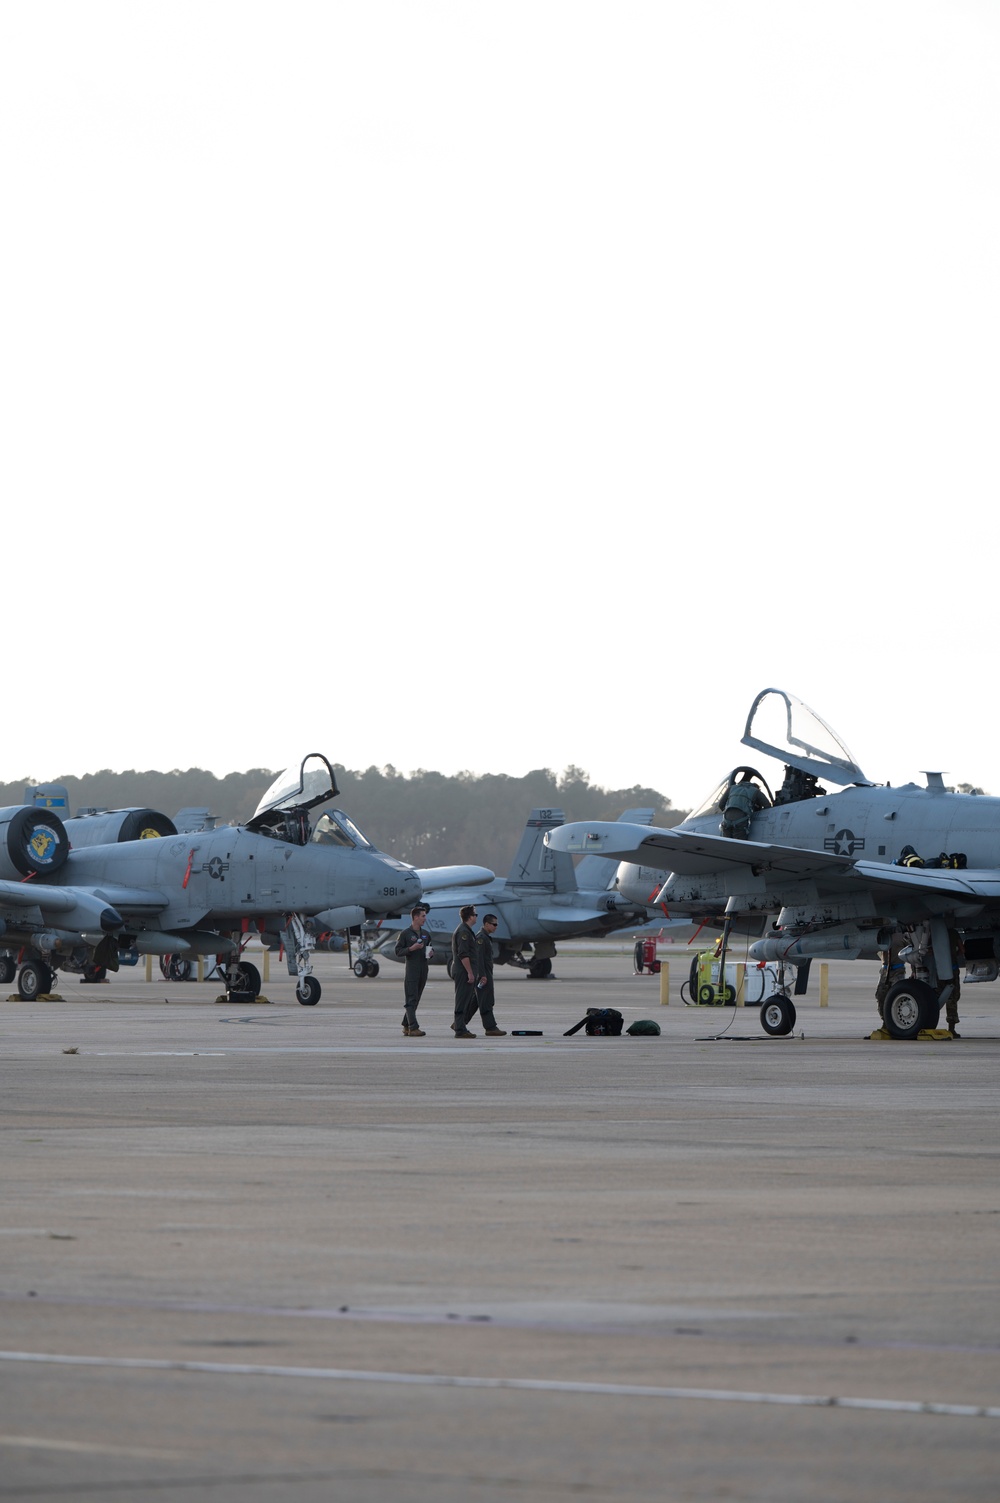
point(529, 1385)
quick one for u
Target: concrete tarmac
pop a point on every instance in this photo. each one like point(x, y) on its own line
point(275, 1252)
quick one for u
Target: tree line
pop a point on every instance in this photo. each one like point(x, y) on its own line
point(425, 818)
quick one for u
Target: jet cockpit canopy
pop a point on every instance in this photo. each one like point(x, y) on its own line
point(282, 812)
point(784, 727)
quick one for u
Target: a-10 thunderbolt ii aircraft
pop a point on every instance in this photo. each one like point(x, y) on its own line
point(547, 897)
point(909, 875)
point(194, 893)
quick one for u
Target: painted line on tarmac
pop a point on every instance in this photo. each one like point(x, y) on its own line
point(40, 1443)
point(523, 1385)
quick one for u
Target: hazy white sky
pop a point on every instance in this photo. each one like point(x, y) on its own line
point(495, 386)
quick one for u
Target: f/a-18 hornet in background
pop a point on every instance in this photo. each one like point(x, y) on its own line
point(909, 875)
point(76, 893)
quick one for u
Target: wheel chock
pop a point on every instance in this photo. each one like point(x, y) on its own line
point(925, 1033)
point(242, 1001)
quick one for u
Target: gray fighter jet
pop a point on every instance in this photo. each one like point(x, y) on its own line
point(909, 875)
point(196, 893)
point(545, 898)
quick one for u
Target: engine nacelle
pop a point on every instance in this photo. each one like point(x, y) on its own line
point(118, 825)
point(31, 840)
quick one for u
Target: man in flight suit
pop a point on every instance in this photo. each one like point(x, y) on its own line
point(413, 946)
point(484, 977)
point(463, 969)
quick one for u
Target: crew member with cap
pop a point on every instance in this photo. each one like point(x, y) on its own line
point(484, 977)
point(463, 970)
point(414, 946)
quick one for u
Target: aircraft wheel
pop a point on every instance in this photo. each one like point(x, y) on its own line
point(94, 973)
point(34, 981)
point(308, 991)
point(540, 970)
point(8, 969)
point(777, 1015)
point(910, 1006)
point(360, 968)
point(706, 995)
point(372, 968)
point(451, 973)
point(248, 978)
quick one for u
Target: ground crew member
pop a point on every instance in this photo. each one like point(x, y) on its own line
point(463, 970)
point(484, 977)
point(414, 946)
point(957, 960)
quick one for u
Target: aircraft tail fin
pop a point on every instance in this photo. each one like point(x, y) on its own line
point(598, 872)
point(534, 864)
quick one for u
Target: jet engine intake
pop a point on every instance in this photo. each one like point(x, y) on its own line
point(32, 840)
point(118, 825)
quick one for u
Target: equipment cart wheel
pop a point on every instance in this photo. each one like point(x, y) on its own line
point(308, 991)
point(909, 1007)
point(777, 1015)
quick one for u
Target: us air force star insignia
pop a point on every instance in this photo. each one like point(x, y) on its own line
point(844, 843)
point(216, 867)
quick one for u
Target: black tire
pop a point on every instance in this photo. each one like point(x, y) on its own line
point(248, 979)
point(909, 1007)
point(34, 980)
point(451, 973)
point(372, 968)
point(777, 1015)
point(706, 994)
point(8, 969)
point(540, 970)
point(360, 968)
point(94, 973)
point(308, 991)
point(730, 997)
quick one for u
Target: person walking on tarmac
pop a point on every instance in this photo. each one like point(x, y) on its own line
point(414, 946)
point(463, 970)
point(484, 977)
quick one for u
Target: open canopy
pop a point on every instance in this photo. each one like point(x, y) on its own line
point(784, 727)
point(302, 785)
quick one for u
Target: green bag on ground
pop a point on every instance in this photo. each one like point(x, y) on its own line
point(643, 1025)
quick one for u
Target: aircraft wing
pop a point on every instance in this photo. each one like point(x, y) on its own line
point(81, 909)
point(133, 899)
point(961, 886)
point(690, 853)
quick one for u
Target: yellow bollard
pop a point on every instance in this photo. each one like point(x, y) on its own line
point(824, 984)
point(201, 967)
point(267, 966)
point(741, 984)
point(664, 983)
point(149, 967)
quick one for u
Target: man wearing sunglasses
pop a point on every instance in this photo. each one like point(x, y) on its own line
point(484, 977)
point(463, 970)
